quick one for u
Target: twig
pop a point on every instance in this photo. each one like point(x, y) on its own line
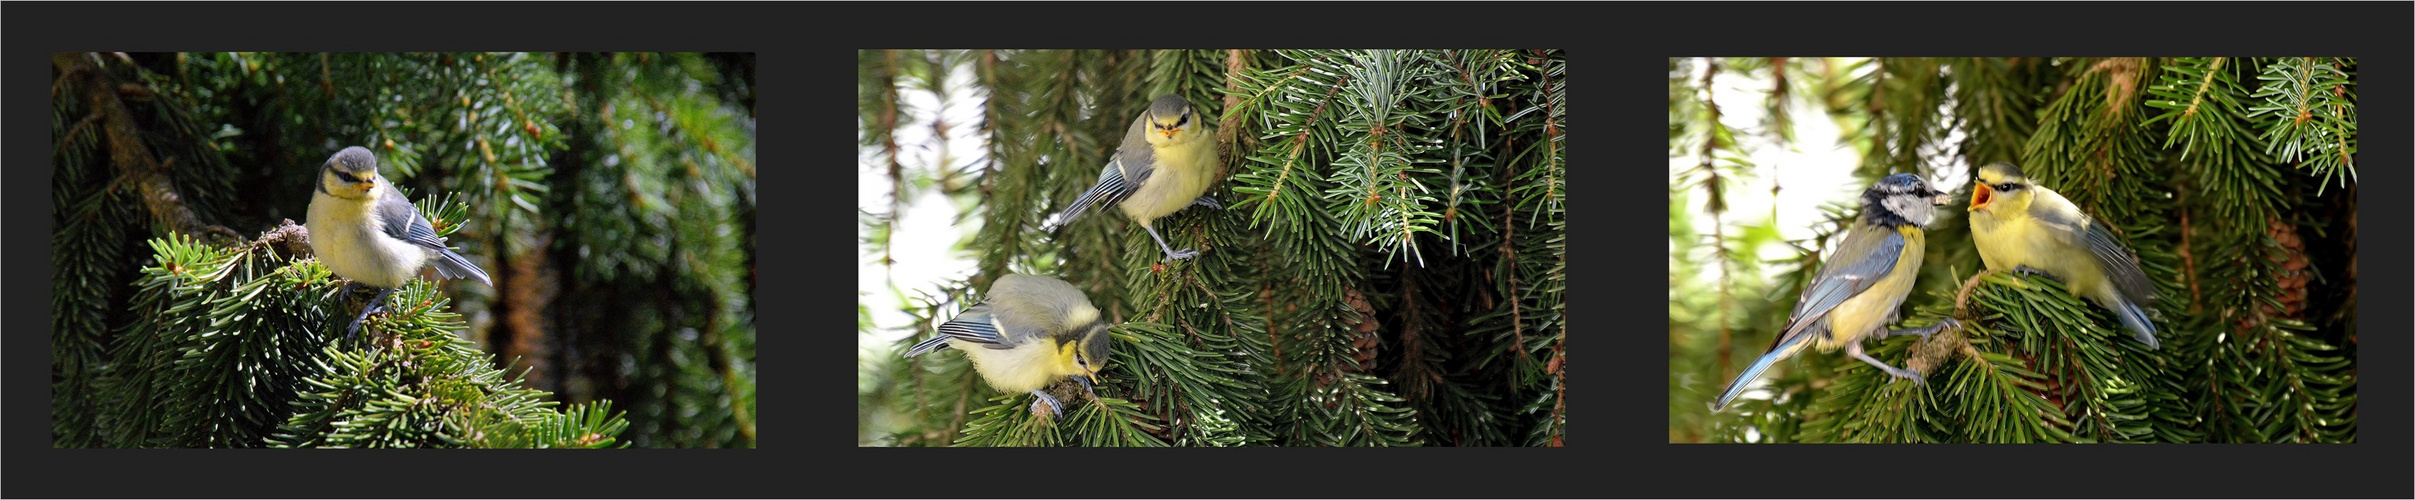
point(1962, 298)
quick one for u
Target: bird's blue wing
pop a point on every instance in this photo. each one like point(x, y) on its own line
point(404, 222)
point(1135, 157)
point(1131, 165)
point(1111, 189)
point(1864, 258)
point(975, 325)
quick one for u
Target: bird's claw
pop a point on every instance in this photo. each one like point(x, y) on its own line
point(354, 330)
point(1903, 373)
point(1208, 202)
point(2028, 271)
point(1054, 407)
point(1182, 254)
point(375, 304)
point(1941, 325)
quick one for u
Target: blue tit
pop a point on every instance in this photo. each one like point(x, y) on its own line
point(1857, 290)
point(1029, 332)
point(2021, 226)
point(1166, 163)
point(363, 229)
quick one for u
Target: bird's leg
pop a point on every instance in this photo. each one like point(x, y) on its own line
point(354, 330)
point(2032, 271)
point(1924, 331)
point(1206, 201)
point(1855, 349)
point(1054, 407)
point(1170, 253)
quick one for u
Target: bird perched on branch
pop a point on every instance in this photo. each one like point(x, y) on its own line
point(1167, 163)
point(1029, 332)
point(364, 230)
point(1857, 290)
point(2021, 226)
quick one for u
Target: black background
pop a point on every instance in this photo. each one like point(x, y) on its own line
point(1618, 58)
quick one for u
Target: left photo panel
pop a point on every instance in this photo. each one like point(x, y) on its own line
point(403, 250)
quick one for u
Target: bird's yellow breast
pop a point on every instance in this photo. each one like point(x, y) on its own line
point(1184, 170)
point(2008, 241)
point(347, 237)
point(1032, 365)
point(1868, 312)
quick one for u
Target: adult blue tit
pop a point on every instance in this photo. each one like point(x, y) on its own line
point(1166, 163)
point(2021, 226)
point(1857, 290)
point(1029, 332)
point(363, 229)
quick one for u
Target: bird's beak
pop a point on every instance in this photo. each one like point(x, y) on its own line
point(1980, 195)
point(1170, 132)
point(1942, 199)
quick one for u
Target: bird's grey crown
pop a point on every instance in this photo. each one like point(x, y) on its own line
point(353, 160)
point(1168, 106)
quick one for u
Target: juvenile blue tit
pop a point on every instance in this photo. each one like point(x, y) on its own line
point(2021, 226)
point(362, 229)
point(1166, 163)
point(1029, 332)
point(1856, 292)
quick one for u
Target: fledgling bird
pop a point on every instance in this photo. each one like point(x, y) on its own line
point(1857, 290)
point(363, 229)
point(1029, 332)
point(1166, 163)
point(2021, 226)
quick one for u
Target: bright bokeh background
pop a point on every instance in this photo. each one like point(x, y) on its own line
point(929, 225)
point(1814, 170)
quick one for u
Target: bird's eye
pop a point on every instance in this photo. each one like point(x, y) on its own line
point(2004, 186)
point(345, 176)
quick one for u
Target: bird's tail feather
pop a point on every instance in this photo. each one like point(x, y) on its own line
point(454, 266)
point(1109, 190)
point(2136, 320)
point(1080, 205)
point(927, 345)
point(1778, 352)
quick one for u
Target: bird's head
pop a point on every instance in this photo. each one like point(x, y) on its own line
point(351, 173)
point(1085, 349)
point(1171, 120)
point(1902, 198)
point(2000, 188)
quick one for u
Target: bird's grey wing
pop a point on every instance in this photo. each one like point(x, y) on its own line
point(975, 325)
point(403, 221)
point(2067, 226)
point(1125, 170)
point(2119, 265)
point(2078, 229)
point(1864, 258)
point(1135, 157)
point(1038, 308)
